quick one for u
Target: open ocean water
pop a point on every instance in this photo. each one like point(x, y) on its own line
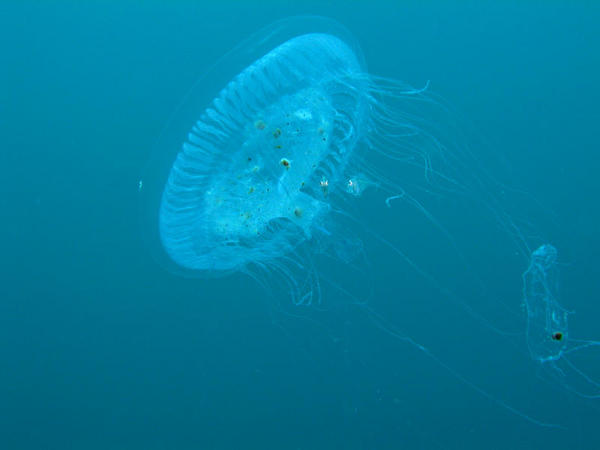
point(101, 347)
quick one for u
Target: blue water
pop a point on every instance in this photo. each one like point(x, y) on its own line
point(100, 347)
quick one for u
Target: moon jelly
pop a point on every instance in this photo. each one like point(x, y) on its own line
point(260, 164)
point(266, 169)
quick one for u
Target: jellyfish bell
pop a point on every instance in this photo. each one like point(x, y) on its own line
point(237, 176)
point(284, 123)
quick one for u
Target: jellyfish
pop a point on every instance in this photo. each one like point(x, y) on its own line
point(271, 162)
point(263, 168)
point(548, 338)
point(260, 170)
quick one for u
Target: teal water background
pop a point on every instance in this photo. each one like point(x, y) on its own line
point(102, 348)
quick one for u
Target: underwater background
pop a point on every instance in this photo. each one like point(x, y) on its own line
point(100, 347)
